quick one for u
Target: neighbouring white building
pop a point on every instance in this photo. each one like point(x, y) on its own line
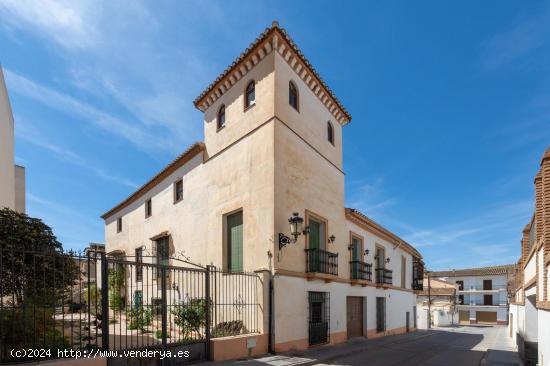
point(482, 293)
point(530, 306)
point(12, 177)
point(272, 148)
point(437, 304)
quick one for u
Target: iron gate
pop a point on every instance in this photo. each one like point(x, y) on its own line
point(88, 302)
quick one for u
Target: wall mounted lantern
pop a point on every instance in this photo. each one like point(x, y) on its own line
point(296, 228)
point(366, 252)
point(388, 260)
point(331, 239)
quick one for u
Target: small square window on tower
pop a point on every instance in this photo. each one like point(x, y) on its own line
point(148, 208)
point(178, 191)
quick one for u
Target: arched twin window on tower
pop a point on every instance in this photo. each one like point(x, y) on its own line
point(221, 117)
point(330, 132)
point(250, 94)
point(293, 95)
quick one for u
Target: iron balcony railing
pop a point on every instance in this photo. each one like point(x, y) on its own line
point(321, 261)
point(417, 284)
point(360, 270)
point(384, 276)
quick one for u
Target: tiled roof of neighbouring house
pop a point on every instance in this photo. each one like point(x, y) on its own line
point(437, 292)
point(183, 158)
point(481, 271)
point(373, 226)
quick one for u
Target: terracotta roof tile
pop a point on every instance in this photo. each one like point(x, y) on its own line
point(265, 34)
point(481, 271)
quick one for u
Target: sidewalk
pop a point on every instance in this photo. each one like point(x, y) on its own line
point(314, 356)
point(476, 346)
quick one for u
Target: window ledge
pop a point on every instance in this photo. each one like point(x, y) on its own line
point(249, 107)
point(218, 129)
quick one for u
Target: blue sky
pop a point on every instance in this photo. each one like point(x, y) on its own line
point(450, 104)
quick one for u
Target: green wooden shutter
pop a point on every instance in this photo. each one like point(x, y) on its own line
point(314, 234)
point(314, 243)
point(355, 247)
point(235, 241)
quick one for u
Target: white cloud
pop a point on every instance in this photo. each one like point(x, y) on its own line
point(69, 23)
point(368, 196)
point(72, 227)
point(25, 132)
point(132, 132)
point(526, 36)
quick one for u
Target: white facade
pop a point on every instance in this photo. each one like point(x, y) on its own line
point(483, 298)
point(12, 177)
point(269, 160)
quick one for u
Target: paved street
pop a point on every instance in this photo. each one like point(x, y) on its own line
point(460, 346)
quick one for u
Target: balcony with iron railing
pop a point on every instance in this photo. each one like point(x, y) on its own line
point(418, 284)
point(360, 270)
point(321, 261)
point(384, 276)
point(480, 289)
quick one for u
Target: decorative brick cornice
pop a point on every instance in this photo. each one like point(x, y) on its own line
point(538, 206)
point(531, 282)
point(273, 38)
point(525, 243)
point(545, 213)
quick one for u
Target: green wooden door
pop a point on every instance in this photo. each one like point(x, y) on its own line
point(355, 256)
point(314, 243)
point(235, 241)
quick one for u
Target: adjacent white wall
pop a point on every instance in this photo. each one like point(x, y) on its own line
point(7, 171)
point(544, 337)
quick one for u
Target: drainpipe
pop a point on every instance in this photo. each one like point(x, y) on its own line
point(429, 302)
point(270, 347)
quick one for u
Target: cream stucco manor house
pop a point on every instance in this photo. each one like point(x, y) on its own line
point(272, 152)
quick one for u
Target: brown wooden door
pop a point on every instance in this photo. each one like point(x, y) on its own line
point(487, 299)
point(464, 317)
point(355, 316)
point(486, 317)
point(487, 284)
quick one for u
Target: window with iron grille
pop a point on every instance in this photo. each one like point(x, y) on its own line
point(319, 317)
point(161, 255)
point(380, 314)
point(139, 268)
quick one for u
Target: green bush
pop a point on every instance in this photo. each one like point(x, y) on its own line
point(30, 322)
point(94, 294)
point(158, 334)
point(116, 282)
point(191, 317)
point(139, 317)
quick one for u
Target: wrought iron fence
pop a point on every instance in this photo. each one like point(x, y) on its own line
point(360, 270)
point(384, 276)
point(319, 317)
point(321, 261)
point(85, 301)
point(48, 300)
